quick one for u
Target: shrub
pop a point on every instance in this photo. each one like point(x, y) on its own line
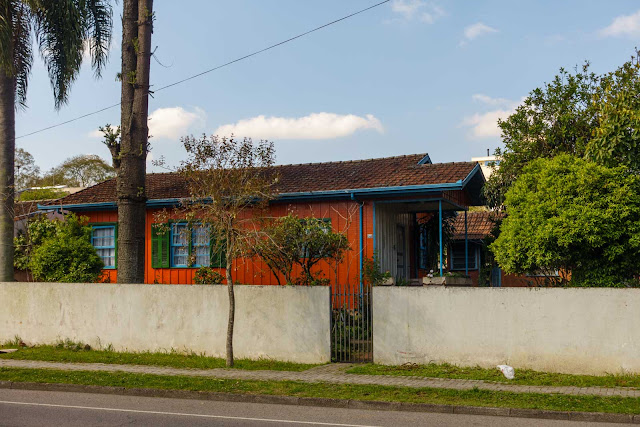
point(572, 215)
point(207, 276)
point(65, 254)
point(372, 272)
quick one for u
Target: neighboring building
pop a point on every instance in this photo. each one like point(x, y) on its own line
point(487, 163)
point(374, 202)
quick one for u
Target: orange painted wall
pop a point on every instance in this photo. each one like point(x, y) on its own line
point(109, 275)
point(344, 217)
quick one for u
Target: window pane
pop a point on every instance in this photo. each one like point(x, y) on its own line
point(458, 257)
point(200, 235)
point(179, 234)
point(104, 240)
point(180, 254)
point(202, 256)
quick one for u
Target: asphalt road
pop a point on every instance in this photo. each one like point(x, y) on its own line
point(44, 408)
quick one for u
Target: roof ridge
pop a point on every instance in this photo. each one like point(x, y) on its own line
point(353, 161)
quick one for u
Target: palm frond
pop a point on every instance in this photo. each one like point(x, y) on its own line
point(99, 24)
point(16, 56)
point(22, 52)
point(60, 31)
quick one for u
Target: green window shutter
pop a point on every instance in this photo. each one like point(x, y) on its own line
point(159, 246)
point(218, 254)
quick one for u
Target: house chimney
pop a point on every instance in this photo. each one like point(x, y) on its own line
point(488, 153)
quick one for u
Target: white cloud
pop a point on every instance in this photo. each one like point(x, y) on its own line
point(417, 9)
point(485, 125)
point(172, 123)
point(476, 30)
point(624, 25)
point(487, 100)
point(95, 134)
point(169, 123)
point(313, 126)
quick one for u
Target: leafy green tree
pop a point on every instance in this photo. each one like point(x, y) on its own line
point(26, 169)
point(64, 253)
point(83, 170)
point(291, 241)
point(63, 31)
point(41, 194)
point(582, 114)
point(576, 216)
point(616, 139)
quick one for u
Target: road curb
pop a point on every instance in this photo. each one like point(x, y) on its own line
point(327, 403)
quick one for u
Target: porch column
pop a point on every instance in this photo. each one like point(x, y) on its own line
point(466, 247)
point(440, 229)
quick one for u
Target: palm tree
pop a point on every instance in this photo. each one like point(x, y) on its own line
point(63, 30)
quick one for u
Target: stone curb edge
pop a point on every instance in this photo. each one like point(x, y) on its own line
point(327, 402)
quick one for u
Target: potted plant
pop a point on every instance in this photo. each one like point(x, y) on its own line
point(447, 279)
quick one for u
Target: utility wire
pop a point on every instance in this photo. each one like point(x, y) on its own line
point(211, 69)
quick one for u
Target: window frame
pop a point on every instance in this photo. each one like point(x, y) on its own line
point(102, 226)
point(172, 245)
point(473, 254)
point(193, 245)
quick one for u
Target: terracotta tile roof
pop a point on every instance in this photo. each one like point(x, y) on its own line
point(311, 177)
point(24, 209)
point(479, 225)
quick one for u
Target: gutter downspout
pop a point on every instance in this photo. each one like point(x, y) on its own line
point(361, 205)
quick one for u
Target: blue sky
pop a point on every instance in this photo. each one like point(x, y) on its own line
point(408, 77)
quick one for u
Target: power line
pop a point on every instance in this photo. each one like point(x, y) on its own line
point(212, 69)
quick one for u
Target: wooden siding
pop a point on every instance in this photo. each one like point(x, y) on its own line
point(344, 217)
point(109, 275)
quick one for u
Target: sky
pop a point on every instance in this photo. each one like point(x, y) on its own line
point(410, 76)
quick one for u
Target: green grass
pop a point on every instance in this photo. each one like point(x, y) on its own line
point(473, 397)
point(523, 376)
point(67, 351)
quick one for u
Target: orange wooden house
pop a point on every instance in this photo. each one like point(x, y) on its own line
point(375, 202)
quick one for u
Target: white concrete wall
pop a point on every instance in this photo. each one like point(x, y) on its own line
point(585, 331)
point(281, 323)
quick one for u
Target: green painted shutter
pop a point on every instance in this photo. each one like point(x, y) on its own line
point(218, 254)
point(160, 246)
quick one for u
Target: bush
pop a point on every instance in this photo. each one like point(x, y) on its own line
point(207, 276)
point(65, 253)
point(571, 215)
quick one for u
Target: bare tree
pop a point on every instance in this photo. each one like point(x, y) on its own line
point(230, 182)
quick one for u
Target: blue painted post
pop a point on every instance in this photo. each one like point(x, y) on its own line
point(361, 252)
point(466, 247)
point(440, 224)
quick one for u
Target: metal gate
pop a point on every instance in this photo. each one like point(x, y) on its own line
point(351, 324)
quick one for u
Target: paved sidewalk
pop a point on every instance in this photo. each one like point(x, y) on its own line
point(332, 373)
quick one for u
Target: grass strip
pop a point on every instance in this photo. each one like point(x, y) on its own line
point(474, 397)
point(77, 354)
point(523, 376)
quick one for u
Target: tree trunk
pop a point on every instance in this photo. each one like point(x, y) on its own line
point(7, 156)
point(232, 303)
point(131, 189)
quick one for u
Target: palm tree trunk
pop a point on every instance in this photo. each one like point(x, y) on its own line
point(7, 155)
point(232, 303)
point(131, 189)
